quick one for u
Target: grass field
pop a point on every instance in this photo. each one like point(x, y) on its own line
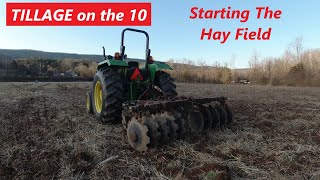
point(45, 133)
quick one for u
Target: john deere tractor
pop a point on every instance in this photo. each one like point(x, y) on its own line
point(146, 102)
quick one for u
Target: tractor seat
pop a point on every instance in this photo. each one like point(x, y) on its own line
point(133, 64)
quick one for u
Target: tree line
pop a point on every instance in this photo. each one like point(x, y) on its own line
point(190, 72)
point(47, 69)
point(296, 67)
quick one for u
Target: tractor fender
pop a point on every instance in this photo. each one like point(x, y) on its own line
point(156, 67)
point(113, 63)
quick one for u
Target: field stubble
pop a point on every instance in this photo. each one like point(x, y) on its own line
point(46, 133)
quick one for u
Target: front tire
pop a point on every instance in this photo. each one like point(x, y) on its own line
point(107, 96)
point(89, 108)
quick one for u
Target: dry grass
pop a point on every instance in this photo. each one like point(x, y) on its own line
point(296, 67)
point(45, 133)
point(185, 71)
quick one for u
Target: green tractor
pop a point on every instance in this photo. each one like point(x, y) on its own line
point(146, 102)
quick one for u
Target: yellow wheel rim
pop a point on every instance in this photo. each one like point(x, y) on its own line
point(98, 96)
point(88, 102)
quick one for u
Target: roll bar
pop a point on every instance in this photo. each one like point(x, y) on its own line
point(123, 48)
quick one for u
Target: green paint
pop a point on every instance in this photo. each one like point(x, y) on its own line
point(156, 67)
point(112, 62)
point(136, 88)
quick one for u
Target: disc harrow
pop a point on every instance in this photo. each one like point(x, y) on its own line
point(157, 123)
point(178, 119)
point(153, 132)
point(137, 135)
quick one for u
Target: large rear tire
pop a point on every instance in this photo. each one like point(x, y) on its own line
point(166, 84)
point(107, 95)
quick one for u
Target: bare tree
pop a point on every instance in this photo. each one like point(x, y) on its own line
point(297, 48)
point(296, 67)
point(201, 63)
point(254, 60)
point(254, 66)
point(231, 65)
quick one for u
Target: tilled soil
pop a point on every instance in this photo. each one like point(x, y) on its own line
point(46, 134)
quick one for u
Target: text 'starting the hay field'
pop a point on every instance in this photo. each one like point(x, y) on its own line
point(243, 16)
